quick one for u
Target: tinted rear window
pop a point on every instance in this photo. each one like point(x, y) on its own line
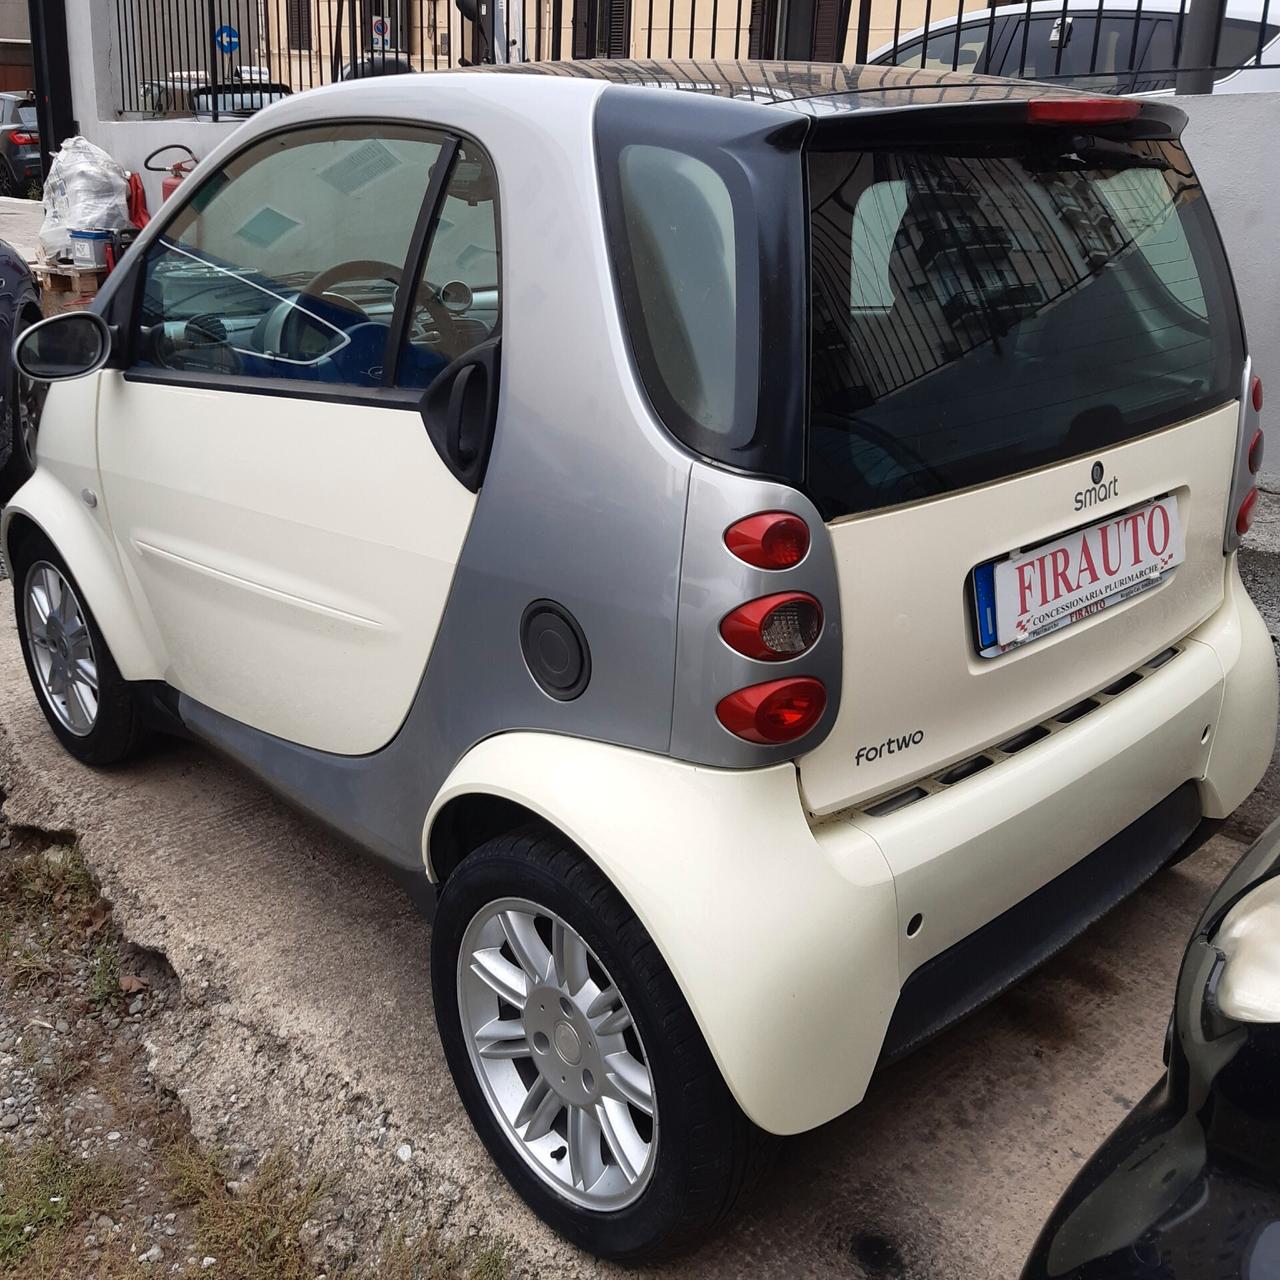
point(27, 116)
point(979, 315)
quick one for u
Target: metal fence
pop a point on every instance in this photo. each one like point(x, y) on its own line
point(224, 59)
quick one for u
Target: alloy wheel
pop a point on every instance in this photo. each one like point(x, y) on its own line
point(558, 1054)
point(61, 648)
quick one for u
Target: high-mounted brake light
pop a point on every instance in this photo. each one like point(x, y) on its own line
point(1081, 110)
point(1244, 517)
point(21, 138)
point(774, 712)
point(1255, 452)
point(1255, 393)
point(773, 627)
point(769, 539)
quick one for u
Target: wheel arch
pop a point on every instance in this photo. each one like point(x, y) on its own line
point(471, 819)
point(43, 506)
point(724, 872)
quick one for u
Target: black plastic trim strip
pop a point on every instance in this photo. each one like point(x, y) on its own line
point(236, 384)
point(989, 961)
point(415, 259)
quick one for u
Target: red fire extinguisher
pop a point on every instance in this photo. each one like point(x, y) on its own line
point(176, 171)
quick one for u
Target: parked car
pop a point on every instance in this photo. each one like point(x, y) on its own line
point(769, 623)
point(172, 94)
point(235, 102)
point(20, 399)
point(1188, 1187)
point(19, 145)
point(381, 63)
point(1110, 46)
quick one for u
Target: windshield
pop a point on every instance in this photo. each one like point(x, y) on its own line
point(980, 313)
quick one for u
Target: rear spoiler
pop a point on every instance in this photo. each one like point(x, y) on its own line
point(977, 118)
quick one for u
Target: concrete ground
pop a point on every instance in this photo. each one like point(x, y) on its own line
point(305, 1019)
point(20, 224)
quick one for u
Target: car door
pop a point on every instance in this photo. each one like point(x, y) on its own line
point(284, 519)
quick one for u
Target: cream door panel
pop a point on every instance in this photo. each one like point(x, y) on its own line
point(294, 555)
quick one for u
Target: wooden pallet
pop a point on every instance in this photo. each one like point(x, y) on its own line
point(64, 287)
point(66, 278)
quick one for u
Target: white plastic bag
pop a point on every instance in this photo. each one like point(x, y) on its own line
point(86, 190)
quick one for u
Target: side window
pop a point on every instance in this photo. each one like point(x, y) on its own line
point(1065, 50)
point(877, 218)
point(1139, 201)
point(972, 54)
point(286, 264)
point(679, 222)
point(1238, 45)
point(456, 303)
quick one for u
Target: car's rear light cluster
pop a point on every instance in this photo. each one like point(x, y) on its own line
point(1244, 512)
point(21, 138)
point(772, 628)
point(1244, 516)
point(773, 712)
point(769, 540)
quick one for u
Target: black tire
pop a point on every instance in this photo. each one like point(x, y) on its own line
point(117, 730)
point(708, 1153)
point(23, 401)
point(8, 180)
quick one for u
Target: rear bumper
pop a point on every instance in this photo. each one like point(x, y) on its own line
point(1008, 867)
point(991, 959)
point(789, 937)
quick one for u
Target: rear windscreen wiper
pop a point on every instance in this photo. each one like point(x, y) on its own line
point(1089, 153)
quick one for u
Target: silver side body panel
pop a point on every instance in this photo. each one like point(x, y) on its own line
point(587, 501)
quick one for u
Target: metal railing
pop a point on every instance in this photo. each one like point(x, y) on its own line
point(224, 59)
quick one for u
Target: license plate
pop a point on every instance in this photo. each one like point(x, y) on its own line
point(1032, 593)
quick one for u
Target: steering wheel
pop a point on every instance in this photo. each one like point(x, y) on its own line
point(322, 287)
point(283, 328)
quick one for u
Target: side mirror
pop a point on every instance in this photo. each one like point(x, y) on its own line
point(71, 345)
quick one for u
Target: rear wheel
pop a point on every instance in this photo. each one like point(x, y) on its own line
point(578, 1059)
point(87, 702)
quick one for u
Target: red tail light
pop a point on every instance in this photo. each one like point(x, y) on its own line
point(21, 138)
point(1081, 110)
point(1255, 394)
point(769, 540)
point(778, 711)
point(774, 627)
point(1255, 451)
point(1244, 517)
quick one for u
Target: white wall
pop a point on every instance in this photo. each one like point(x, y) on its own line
point(95, 73)
point(1234, 144)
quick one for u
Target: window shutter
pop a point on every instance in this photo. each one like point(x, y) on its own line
point(828, 39)
point(618, 29)
point(298, 24)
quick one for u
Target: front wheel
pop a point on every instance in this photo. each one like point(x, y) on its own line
point(577, 1058)
point(87, 702)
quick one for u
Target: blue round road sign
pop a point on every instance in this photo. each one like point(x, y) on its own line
point(227, 39)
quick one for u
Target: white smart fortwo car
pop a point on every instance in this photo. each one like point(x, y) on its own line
point(758, 541)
